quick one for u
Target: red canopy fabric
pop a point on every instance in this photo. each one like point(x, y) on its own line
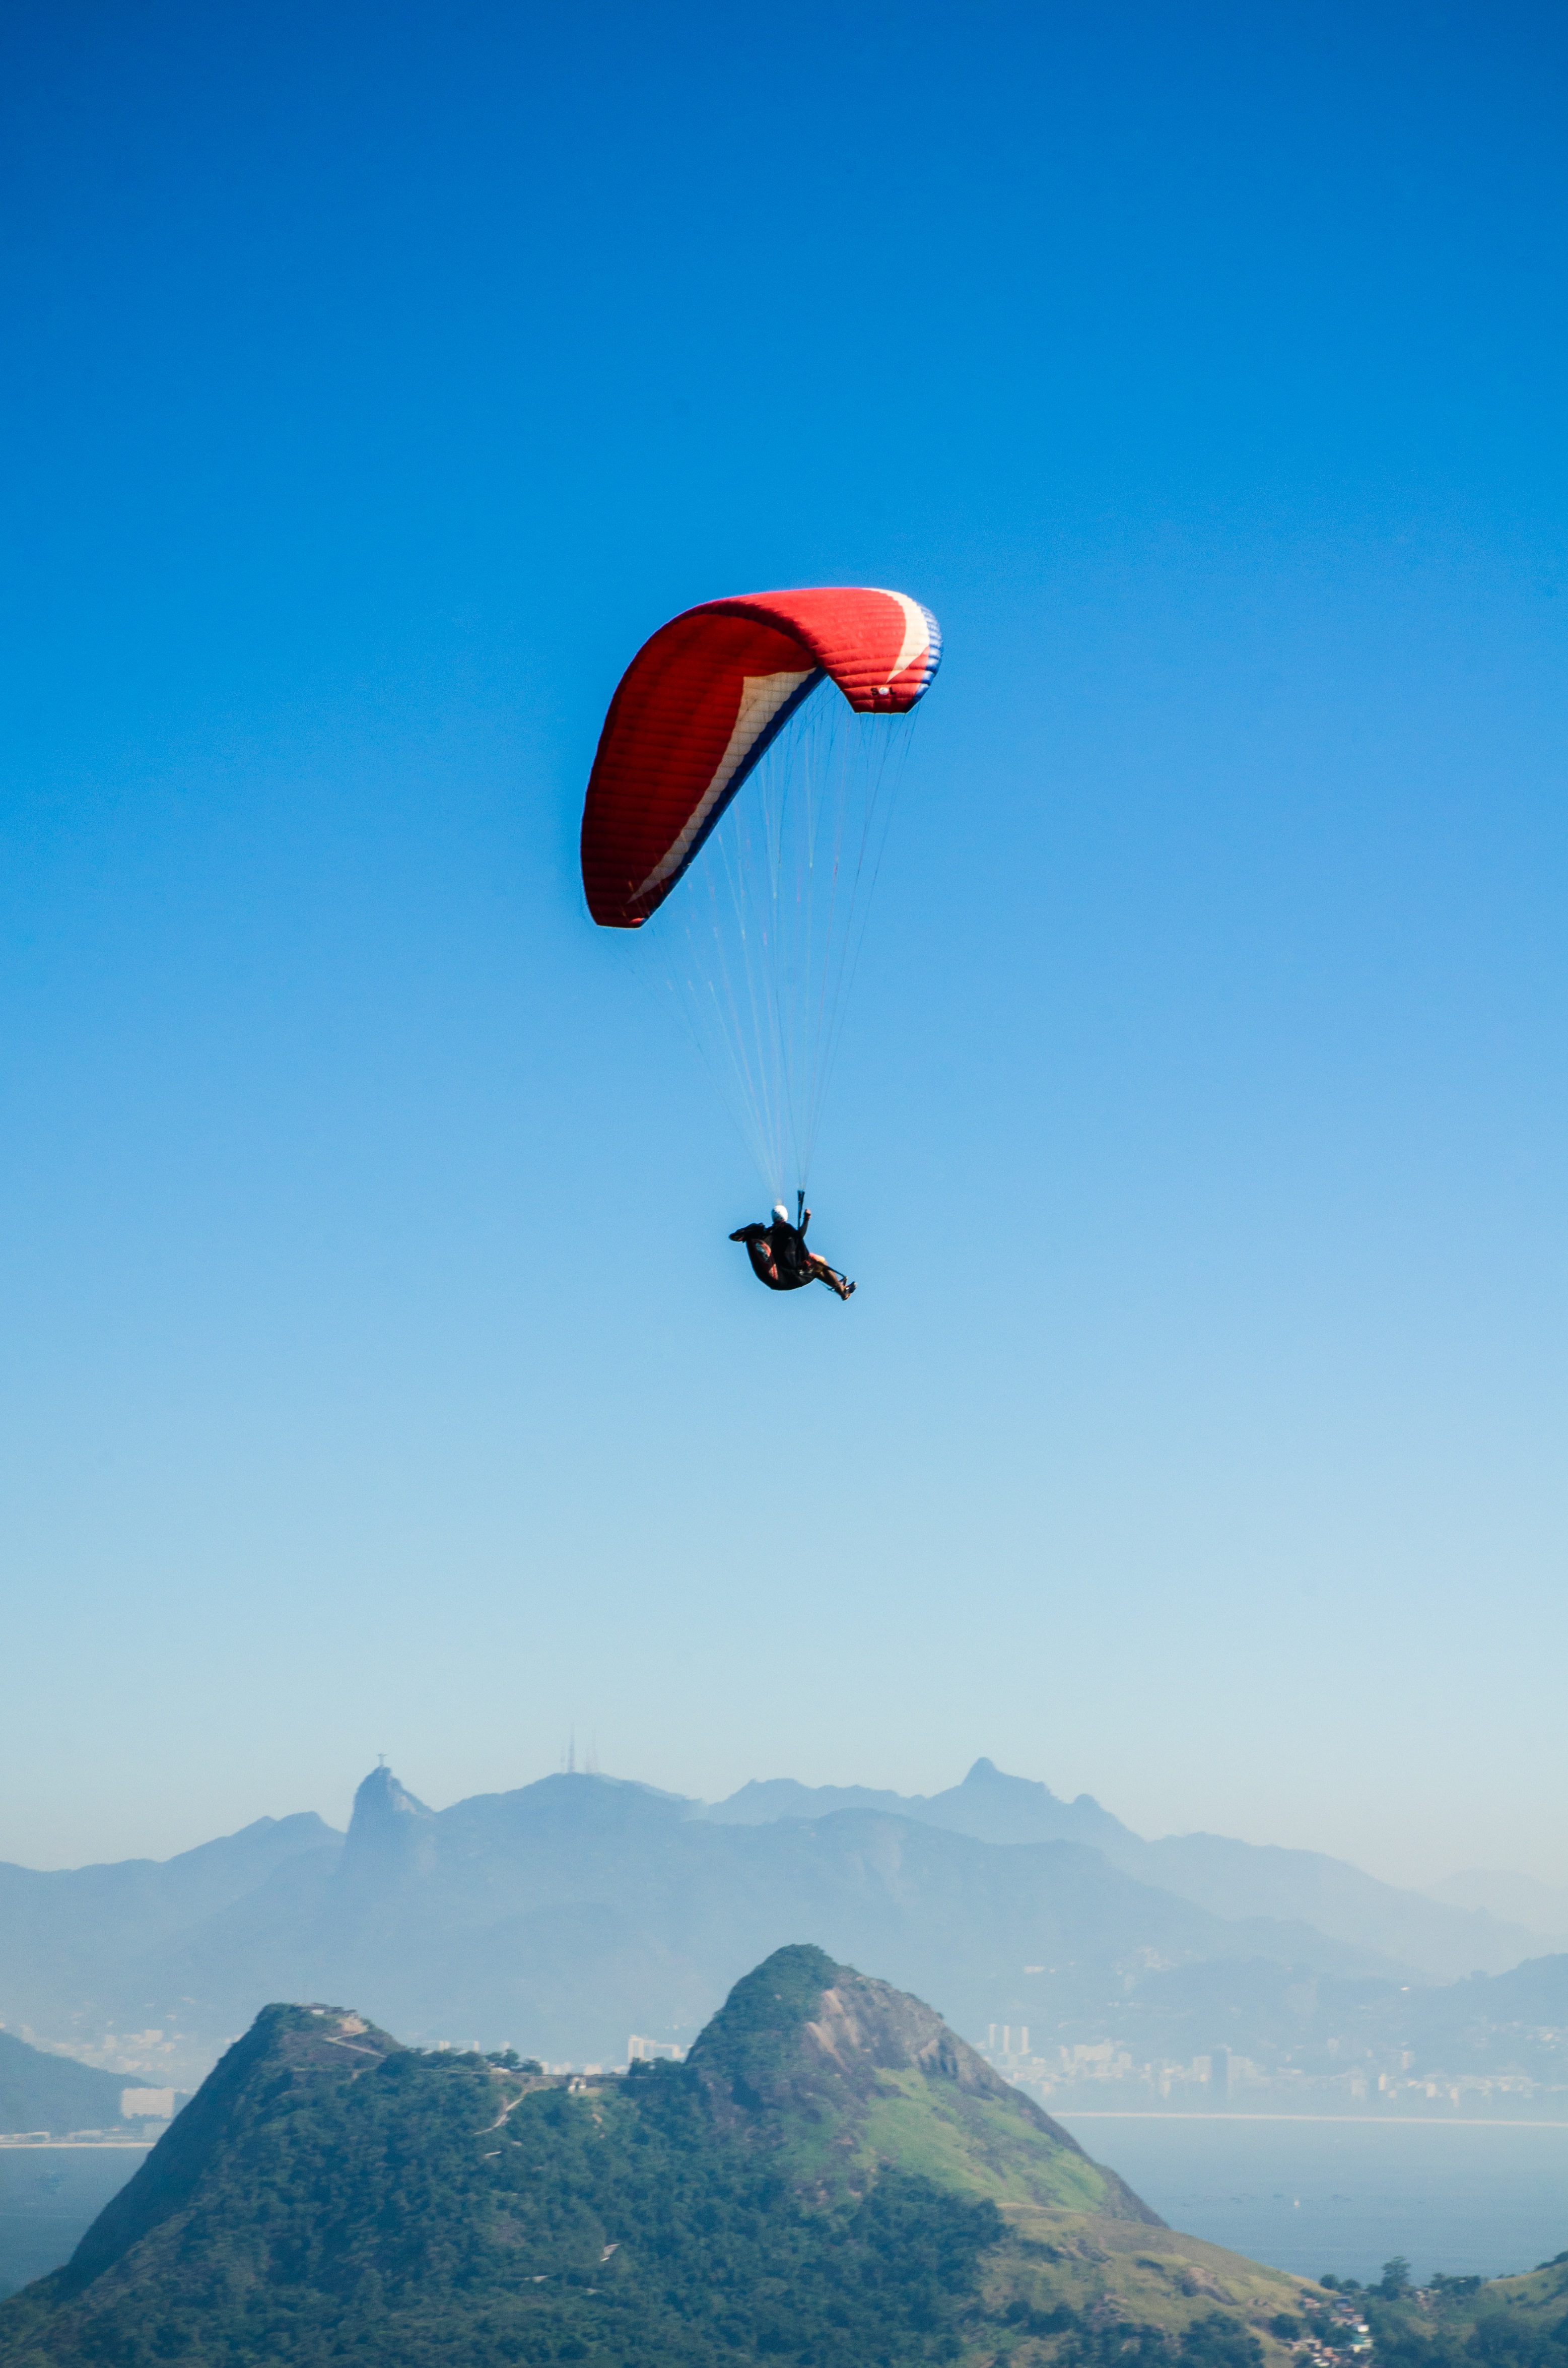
point(698, 705)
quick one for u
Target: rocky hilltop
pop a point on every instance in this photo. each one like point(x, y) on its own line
point(833, 2178)
point(845, 2075)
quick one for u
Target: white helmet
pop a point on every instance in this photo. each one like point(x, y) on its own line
point(781, 1213)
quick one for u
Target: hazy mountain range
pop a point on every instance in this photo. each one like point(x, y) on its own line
point(564, 1914)
point(1500, 1919)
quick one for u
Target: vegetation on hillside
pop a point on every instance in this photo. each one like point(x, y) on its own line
point(332, 2197)
point(1454, 2322)
point(394, 2216)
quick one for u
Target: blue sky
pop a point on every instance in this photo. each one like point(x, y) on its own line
point(374, 1374)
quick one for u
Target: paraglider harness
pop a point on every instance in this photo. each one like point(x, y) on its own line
point(789, 1266)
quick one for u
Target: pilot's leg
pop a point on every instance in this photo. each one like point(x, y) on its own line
point(824, 1273)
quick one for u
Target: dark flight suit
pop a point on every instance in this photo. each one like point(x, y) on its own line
point(778, 1255)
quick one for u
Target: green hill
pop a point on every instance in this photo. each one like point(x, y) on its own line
point(833, 2178)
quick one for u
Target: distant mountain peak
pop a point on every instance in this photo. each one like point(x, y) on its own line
point(985, 1773)
point(388, 1833)
point(380, 1796)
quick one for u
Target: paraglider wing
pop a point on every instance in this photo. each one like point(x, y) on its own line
point(699, 705)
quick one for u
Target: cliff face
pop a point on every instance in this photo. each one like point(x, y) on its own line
point(833, 2178)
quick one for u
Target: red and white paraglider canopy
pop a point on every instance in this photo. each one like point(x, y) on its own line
point(699, 705)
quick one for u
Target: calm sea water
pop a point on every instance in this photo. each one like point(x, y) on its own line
point(50, 2196)
point(1463, 2197)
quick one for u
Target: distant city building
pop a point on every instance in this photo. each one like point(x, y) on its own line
point(652, 2050)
